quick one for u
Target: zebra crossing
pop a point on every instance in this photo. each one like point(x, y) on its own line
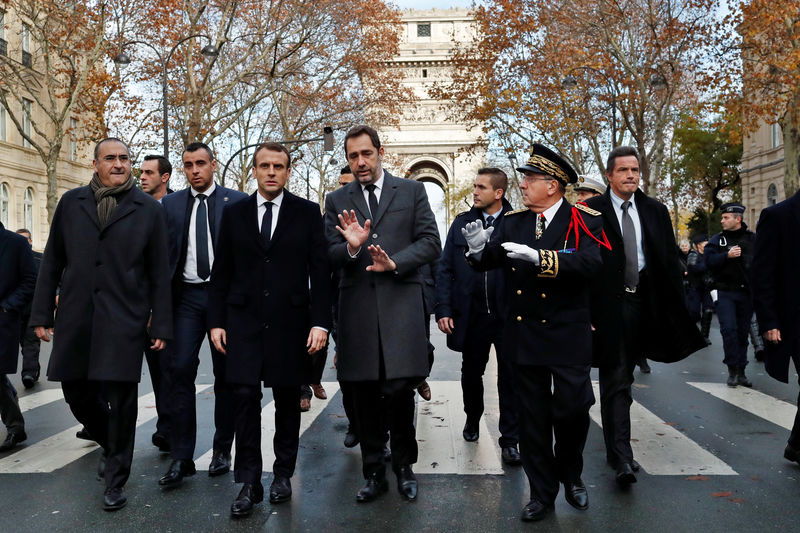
point(660, 448)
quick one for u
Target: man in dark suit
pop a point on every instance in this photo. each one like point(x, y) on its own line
point(380, 230)
point(470, 309)
point(776, 291)
point(266, 319)
point(29, 343)
point(550, 252)
point(16, 290)
point(193, 218)
point(108, 251)
point(638, 307)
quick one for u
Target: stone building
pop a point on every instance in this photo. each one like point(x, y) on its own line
point(762, 171)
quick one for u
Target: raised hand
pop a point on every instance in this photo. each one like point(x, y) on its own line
point(476, 236)
point(351, 230)
point(381, 262)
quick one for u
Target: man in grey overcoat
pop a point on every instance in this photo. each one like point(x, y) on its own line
point(108, 250)
point(380, 231)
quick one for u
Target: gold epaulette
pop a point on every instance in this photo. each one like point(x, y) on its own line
point(587, 209)
point(515, 211)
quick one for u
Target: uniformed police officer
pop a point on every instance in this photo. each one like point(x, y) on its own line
point(549, 251)
point(588, 187)
point(728, 255)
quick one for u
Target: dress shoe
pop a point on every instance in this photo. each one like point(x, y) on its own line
point(161, 442)
point(406, 483)
point(760, 356)
point(114, 499)
point(424, 391)
point(281, 490)
point(535, 510)
point(350, 439)
point(305, 404)
point(387, 454)
point(28, 381)
point(576, 495)
point(179, 469)
point(741, 379)
point(319, 392)
point(791, 453)
point(470, 432)
point(634, 465)
point(249, 495)
point(375, 487)
point(83, 433)
point(644, 367)
point(12, 439)
point(510, 456)
point(625, 475)
point(220, 463)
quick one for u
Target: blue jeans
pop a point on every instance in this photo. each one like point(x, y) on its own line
point(734, 310)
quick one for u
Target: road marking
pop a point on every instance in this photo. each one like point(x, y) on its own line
point(38, 399)
point(268, 428)
point(663, 450)
point(777, 411)
point(62, 448)
point(442, 448)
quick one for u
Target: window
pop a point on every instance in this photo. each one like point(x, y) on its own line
point(424, 73)
point(73, 144)
point(424, 29)
point(26, 46)
point(27, 209)
point(2, 123)
point(3, 44)
point(4, 202)
point(26, 120)
point(775, 130)
point(772, 194)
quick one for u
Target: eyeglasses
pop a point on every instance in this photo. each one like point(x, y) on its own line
point(123, 158)
point(534, 178)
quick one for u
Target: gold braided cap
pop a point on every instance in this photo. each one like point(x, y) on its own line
point(548, 166)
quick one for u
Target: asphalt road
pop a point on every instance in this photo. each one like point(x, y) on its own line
point(711, 461)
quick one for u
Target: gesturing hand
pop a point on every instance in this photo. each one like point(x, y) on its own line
point(381, 262)
point(520, 251)
point(351, 230)
point(476, 236)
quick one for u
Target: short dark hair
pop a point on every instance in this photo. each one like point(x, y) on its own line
point(357, 131)
point(195, 146)
point(164, 166)
point(25, 231)
point(497, 178)
point(620, 151)
point(107, 139)
point(346, 170)
point(273, 147)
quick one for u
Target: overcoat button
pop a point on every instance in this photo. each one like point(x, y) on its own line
point(519, 292)
point(519, 319)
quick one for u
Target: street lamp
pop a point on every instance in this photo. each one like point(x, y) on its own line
point(124, 59)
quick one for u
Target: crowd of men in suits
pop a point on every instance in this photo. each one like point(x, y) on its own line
point(555, 288)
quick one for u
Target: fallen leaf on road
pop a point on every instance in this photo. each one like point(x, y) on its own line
point(737, 500)
point(697, 478)
point(721, 494)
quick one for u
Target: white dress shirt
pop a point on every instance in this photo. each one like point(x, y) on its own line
point(378, 188)
point(550, 212)
point(616, 201)
point(190, 268)
point(262, 208)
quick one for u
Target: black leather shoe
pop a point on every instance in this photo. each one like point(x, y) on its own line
point(281, 490)
point(387, 454)
point(576, 495)
point(791, 453)
point(83, 433)
point(634, 465)
point(220, 463)
point(375, 487)
point(644, 367)
point(510, 456)
point(625, 475)
point(406, 483)
point(470, 432)
point(535, 510)
point(101, 466)
point(12, 439)
point(160, 441)
point(114, 499)
point(28, 381)
point(248, 496)
point(350, 439)
point(179, 469)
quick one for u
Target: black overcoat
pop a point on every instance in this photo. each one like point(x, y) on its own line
point(670, 334)
point(111, 279)
point(775, 282)
point(268, 296)
point(17, 280)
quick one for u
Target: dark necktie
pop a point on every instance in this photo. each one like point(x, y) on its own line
point(266, 222)
point(489, 221)
point(540, 226)
point(373, 200)
point(201, 238)
point(629, 243)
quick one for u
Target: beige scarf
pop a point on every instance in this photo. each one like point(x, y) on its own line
point(106, 197)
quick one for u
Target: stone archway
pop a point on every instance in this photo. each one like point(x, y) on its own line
point(435, 178)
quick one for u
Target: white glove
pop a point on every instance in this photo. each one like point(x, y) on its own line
point(476, 236)
point(520, 251)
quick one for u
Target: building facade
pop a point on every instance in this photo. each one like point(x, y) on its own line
point(762, 170)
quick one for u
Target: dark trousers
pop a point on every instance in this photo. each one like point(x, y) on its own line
point(563, 413)
point(29, 344)
point(156, 363)
point(347, 403)
point(794, 436)
point(247, 413)
point(616, 380)
point(9, 407)
point(108, 411)
point(485, 330)
point(382, 405)
point(734, 311)
point(190, 329)
point(697, 301)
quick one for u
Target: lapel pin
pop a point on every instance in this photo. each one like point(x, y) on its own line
point(225, 199)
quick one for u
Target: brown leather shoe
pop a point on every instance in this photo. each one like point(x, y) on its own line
point(424, 391)
point(319, 391)
point(305, 404)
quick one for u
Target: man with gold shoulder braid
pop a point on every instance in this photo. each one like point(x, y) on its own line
point(550, 250)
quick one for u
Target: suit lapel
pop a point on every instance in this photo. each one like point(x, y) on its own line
point(124, 208)
point(556, 229)
point(387, 195)
point(89, 206)
point(252, 221)
point(284, 217)
point(357, 198)
point(221, 199)
point(609, 215)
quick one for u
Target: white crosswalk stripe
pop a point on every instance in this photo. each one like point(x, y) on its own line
point(762, 405)
point(38, 399)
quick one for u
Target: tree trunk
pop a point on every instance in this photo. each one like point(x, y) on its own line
point(791, 147)
point(51, 166)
